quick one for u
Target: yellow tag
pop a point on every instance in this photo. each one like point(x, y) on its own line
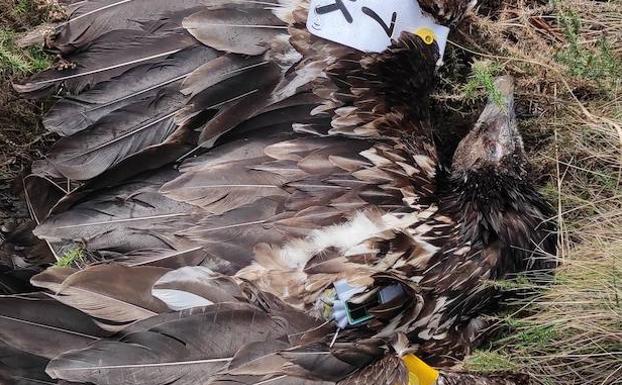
point(419, 373)
point(426, 34)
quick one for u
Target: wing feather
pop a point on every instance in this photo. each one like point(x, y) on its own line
point(195, 345)
point(108, 292)
point(44, 327)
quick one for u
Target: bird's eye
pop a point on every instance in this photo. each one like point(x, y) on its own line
point(492, 150)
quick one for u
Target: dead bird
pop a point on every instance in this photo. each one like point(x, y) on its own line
point(352, 194)
point(424, 283)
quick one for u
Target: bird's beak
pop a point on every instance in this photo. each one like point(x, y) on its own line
point(495, 136)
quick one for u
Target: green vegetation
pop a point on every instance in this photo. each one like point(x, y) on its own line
point(21, 132)
point(72, 257)
point(487, 361)
point(24, 6)
point(483, 74)
point(597, 62)
point(20, 61)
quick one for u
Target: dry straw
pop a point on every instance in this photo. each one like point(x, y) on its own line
point(567, 59)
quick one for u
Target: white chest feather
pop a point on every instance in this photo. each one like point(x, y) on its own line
point(348, 237)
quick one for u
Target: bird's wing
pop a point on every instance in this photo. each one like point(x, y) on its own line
point(259, 194)
point(296, 161)
point(144, 83)
point(138, 78)
point(208, 326)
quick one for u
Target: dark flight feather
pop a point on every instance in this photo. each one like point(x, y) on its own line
point(74, 114)
point(20, 368)
point(238, 91)
point(198, 343)
point(110, 56)
point(42, 326)
point(113, 293)
point(89, 20)
point(235, 30)
point(121, 134)
point(130, 217)
point(151, 158)
point(220, 69)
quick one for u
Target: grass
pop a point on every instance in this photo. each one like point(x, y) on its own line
point(72, 257)
point(22, 137)
point(24, 6)
point(597, 63)
point(18, 61)
point(566, 58)
point(488, 361)
point(21, 15)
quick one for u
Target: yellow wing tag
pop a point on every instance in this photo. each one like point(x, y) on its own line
point(419, 373)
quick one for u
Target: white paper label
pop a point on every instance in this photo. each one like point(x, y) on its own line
point(369, 25)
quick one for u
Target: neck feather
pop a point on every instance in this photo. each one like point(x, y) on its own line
point(382, 96)
point(502, 210)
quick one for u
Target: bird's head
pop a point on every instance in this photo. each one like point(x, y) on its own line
point(491, 191)
point(494, 145)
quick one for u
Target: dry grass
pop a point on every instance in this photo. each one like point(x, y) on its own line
point(567, 59)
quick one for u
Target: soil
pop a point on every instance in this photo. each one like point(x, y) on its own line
point(22, 137)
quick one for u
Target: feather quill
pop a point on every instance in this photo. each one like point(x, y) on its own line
point(170, 259)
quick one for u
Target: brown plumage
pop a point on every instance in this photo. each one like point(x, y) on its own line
point(311, 163)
